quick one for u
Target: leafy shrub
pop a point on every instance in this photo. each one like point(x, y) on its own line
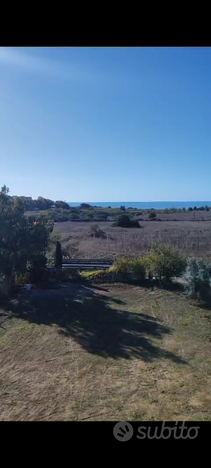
point(131, 269)
point(74, 217)
point(88, 217)
point(50, 259)
point(100, 276)
point(123, 266)
point(100, 216)
point(152, 216)
point(125, 221)
point(95, 231)
point(54, 237)
point(165, 262)
point(198, 275)
point(74, 275)
point(22, 278)
point(123, 269)
point(139, 269)
point(70, 249)
point(66, 275)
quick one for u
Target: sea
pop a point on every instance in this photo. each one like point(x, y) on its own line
point(162, 205)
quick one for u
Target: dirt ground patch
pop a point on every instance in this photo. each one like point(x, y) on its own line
point(104, 353)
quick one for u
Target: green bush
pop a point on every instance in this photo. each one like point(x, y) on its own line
point(125, 221)
point(97, 232)
point(123, 269)
point(74, 217)
point(165, 262)
point(123, 266)
point(139, 269)
point(152, 216)
point(100, 276)
point(22, 278)
point(131, 269)
point(50, 259)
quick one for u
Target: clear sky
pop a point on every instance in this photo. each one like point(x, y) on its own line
point(106, 124)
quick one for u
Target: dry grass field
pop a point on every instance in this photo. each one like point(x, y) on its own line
point(190, 236)
point(115, 352)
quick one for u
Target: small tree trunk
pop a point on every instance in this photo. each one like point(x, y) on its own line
point(58, 256)
point(9, 282)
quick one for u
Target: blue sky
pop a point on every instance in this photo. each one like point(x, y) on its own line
point(106, 124)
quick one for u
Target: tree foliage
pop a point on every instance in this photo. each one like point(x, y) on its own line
point(198, 275)
point(23, 241)
point(62, 204)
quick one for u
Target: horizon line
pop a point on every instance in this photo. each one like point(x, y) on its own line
point(158, 201)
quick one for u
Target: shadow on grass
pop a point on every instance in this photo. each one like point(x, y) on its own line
point(172, 286)
point(94, 286)
point(88, 318)
point(203, 305)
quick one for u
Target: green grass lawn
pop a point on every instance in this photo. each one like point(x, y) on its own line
point(115, 352)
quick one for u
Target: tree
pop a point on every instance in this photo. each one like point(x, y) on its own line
point(58, 255)
point(22, 240)
point(13, 237)
point(62, 204)
point(44, 203)
point(38, 242)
